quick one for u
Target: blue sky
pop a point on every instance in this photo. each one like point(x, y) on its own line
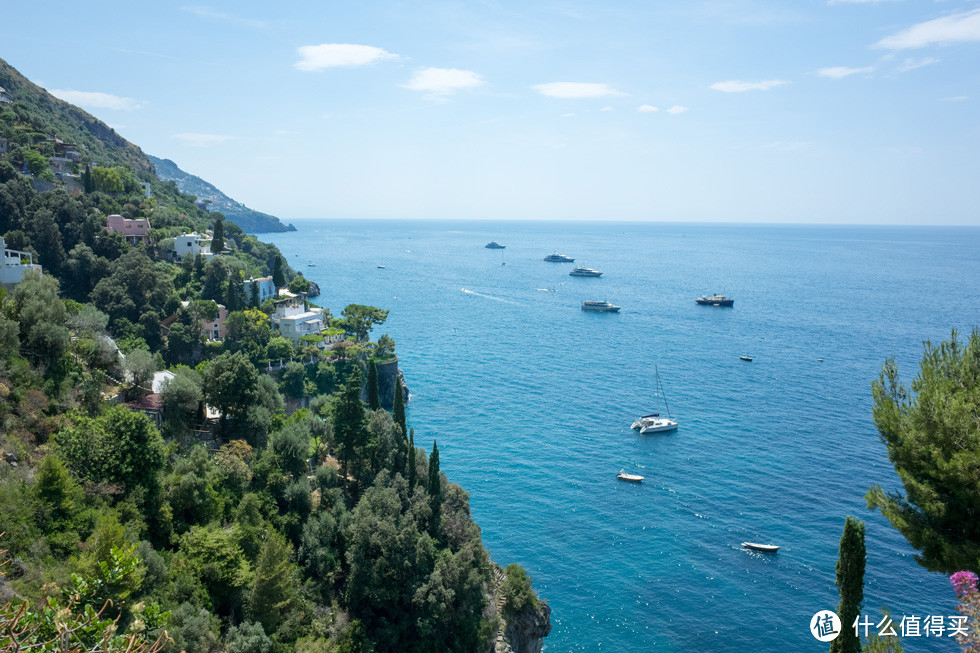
point(840, 111)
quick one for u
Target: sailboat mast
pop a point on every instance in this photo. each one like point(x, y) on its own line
point(660, 391)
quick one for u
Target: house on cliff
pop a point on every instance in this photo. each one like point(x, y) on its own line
point(15, 264)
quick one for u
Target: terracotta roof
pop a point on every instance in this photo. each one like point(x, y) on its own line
point(149, 402)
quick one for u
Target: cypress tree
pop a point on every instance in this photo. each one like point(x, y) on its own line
point(218, 239)
point(255, 295)
point(398, 409)
point(87, 181)
point(374, 401)
point(278, 278)
point(348, 420)
point(850, 580)
point(411, 460)
point(435, 488)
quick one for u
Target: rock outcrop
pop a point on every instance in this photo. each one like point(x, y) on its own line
point(523, 632)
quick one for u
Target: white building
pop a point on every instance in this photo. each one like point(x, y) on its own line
point(193, 244)
point(267, 289)
point(15, 265)
point(293, 321)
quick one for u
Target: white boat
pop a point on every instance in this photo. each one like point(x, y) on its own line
point(746, 358)
point(765, 548)
point(600, 307)
point(558, 258)
point(655, 422)
point(584, 272)
point(623, 476)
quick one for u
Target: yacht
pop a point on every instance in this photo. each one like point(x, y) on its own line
point(715, 300)
point(600, 307)
point(584, 272)
point(654, 423)
point(493, 244)
point(558, 258)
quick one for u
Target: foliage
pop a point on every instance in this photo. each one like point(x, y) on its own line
point(933, 440)
point(41, 315)
point(385, 347)
point(398, 409)
point(373, 394)
point(230, 384)
point(218, 237)
point(348, 421)
point(358, 319)
point(517, 591)
point(965, 586)
point(850, 581)
point(299, 284)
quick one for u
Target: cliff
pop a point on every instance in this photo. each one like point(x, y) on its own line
point(523, 632)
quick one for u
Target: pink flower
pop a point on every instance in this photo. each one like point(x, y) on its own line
point(965, 584)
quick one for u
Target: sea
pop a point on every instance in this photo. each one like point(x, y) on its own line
point(531, 400)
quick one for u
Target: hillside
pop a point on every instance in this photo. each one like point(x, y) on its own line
point(249, 220)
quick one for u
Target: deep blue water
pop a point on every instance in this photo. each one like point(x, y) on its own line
point(531, 400)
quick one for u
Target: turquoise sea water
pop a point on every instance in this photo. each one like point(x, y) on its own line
point(531, 400)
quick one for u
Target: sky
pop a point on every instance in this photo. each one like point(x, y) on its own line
point(832, 111)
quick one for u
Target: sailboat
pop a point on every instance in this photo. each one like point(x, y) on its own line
point(654, 422)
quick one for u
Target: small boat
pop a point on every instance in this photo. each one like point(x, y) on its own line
point(765, 548)
point(746, 358)
point(715, 300)
point(558, 258)
point(584, 272)
point(623, 476)
point(493, 244)
point(381, 267)
point(600, 307)
point(311, 265)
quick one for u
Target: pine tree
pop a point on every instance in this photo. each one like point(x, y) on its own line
point(411, 460)
point(218, 239)
point(348, 420)
point(398, 409)
point(278, 278)
point(850, 580)
point(273, 592)
point(374, 401)
point(435, 489)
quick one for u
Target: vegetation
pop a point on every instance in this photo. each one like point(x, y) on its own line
point(323, 529)
point(933, 440)
point(850, 582)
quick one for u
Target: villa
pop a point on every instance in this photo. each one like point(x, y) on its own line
point(193, 244)
point(267, 289)
point(134, 231)
point(294, 321)
point(14, 266)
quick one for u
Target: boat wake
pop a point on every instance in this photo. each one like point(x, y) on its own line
point(496, 299)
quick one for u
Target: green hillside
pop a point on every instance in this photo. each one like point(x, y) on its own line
point(251, 221)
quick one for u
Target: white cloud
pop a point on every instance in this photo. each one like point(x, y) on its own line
point(955, 28)
point(839, 72)
point(97, 100)
point(576, 90)
point(735, 86)
point(606, 109)
point(442, 81)
point(956, 98)
point(647, 108)
point(912, 64)
point(676, 109)
point(335, 55)
point(202, 140)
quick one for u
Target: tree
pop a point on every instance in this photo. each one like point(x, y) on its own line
point(933, 440)
point(230, 384)
point(374, 400)
point(850, 580)
point(398, 410)
point(35, 161)
point(411, 460)
point(182, 397)
point(134, 286)
point(215, 280)
point(293, 376)
point(358, 319)
point(254, 300)
point(385, 347)
point(348, 420)
point(41, 314)
point(435, 488)
point(273, 593)
point(278, 277)
point(218, 239)
point(141, 366)
point(299, 284)
point(87, 181)
point(517, 590)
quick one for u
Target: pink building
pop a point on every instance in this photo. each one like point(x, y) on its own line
point(135, 231)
